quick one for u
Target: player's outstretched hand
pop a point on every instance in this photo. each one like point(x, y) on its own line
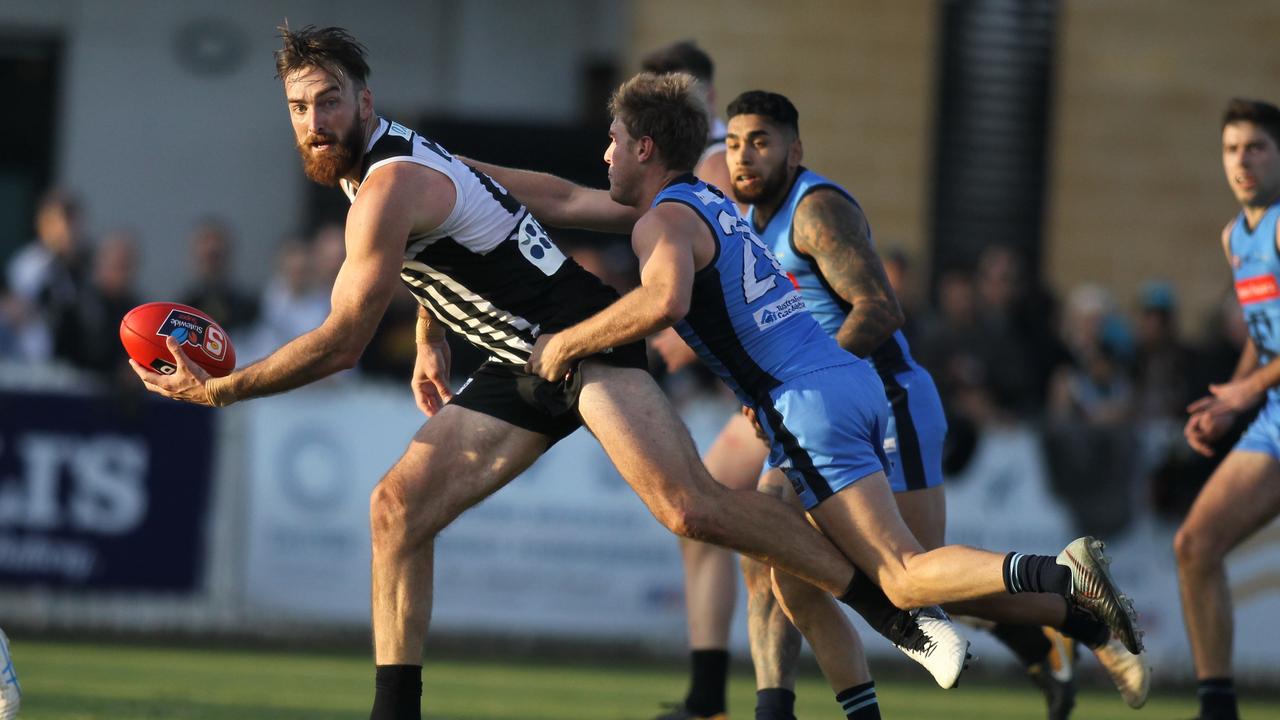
point(1238, 395)
point(548, 359)
point(187, 383)
point(431, 377)
point(1210, 419)
point(1197, 436)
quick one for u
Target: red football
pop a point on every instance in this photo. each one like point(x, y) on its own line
point(144, 329)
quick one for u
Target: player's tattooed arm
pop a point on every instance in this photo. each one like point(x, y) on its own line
point(833, 231)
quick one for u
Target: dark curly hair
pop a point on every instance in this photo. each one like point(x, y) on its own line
point(769, 104)
point(1263, 114)
point(331, 49)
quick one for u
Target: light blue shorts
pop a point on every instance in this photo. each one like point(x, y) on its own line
point(1263, 434)
point(916, 432)
point(826, 429)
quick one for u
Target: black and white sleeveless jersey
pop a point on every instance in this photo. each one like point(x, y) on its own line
point(490, 272)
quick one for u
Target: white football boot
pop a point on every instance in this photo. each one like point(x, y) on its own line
point(930, 638)
point(10, 690)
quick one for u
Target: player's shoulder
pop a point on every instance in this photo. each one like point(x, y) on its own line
point(418, 190)
point(828, 197)
point(1226, 232)
point(829, 205)
point(673, 216)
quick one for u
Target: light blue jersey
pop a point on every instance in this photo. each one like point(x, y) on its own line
point(822, 408)
point(1255, 265)
point(917, 424)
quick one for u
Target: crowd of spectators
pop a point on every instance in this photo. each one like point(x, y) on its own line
point(62, 295)
point(1105, 381)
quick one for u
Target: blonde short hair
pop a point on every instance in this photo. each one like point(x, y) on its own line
point(669, 108)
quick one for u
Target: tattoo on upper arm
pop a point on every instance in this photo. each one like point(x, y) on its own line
point(833, 231)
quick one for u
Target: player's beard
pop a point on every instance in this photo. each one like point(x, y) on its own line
point(767, 190)
point(328, 167)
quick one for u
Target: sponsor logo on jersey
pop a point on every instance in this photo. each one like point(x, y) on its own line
point(707, 195)
point(537, 246)
point(1257, 289)
point(400, 131)
point(777, 311)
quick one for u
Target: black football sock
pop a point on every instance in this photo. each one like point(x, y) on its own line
point(859, 702)
point(869, 601)
point(398, 693)
point(1028, 642)
point(775, 704)
point(1085, 628)
point(1036, 573)
point(710, 674)
point(1217, 699)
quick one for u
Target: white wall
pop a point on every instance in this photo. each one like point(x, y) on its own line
point(153, 146)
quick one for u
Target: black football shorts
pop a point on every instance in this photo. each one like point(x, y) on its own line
point(509, 393)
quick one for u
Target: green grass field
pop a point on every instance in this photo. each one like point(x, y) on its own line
point(64, 681)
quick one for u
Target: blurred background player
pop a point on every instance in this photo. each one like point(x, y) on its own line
point(1243, 494)
point(685, 56)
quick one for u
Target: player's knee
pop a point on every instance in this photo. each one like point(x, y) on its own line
point(799, 597)
point(392, 517)
point(1194, 546)
point(904, 591)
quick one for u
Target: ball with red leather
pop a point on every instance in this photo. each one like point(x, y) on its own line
point(144, 329)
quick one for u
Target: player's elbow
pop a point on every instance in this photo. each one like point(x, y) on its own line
point(897, 318)
point(347, 358)
point(673, 307)
point(345, 347)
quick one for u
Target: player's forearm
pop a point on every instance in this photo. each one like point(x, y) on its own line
point(548, 197)
point(310, 357)
point(1264, 377)
point(639, 314)
point(868, 326)
point(427, 330)
point(1248, 361)
point(561, 203)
